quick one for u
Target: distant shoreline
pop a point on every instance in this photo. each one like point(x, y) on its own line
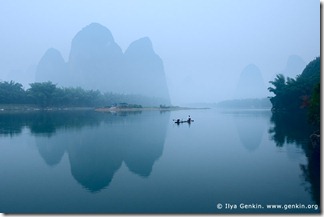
point(116, 109)
point(31, 108)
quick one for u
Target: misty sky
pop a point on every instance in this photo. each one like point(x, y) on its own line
point(204, 44)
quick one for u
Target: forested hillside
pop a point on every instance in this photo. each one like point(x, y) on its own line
point(301, 93)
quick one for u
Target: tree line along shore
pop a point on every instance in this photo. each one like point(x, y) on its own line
point(46, 95)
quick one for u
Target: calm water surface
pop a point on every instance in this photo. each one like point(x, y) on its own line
point(87, 162)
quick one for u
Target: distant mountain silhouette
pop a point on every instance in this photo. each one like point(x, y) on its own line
point(251, 84)
point(97, 62)
point(95, 59)
point(51, 67)
point(145, 70)
point(294, 67)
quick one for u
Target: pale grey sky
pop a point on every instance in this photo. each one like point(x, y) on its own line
point(204, 44)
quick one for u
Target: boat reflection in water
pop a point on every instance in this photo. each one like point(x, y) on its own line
point(87, 162)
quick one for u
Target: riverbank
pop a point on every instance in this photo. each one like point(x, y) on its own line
point(121, 109)
point(28, 107)
point(31, 107)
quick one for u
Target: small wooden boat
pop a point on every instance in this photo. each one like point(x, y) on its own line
point(178, 121)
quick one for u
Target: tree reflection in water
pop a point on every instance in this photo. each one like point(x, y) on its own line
point(293, 128)
point(96, 143)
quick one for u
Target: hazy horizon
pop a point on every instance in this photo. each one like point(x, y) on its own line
point(204, 45)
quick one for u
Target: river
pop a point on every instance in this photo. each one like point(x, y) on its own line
point(230, 161)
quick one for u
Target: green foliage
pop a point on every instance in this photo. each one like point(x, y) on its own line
point(47, 94)
point(311, 74)
point(279, 84)
point(294, 94)
point(126, 105)
point(42, 94)
point(11, 93)
point(314, 112)
point(77, 97)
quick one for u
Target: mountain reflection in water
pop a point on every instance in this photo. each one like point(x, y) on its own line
point(96, 143)
point(88, 162)
point(251, 125)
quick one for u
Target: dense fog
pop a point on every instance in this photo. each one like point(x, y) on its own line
point(177, 51)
